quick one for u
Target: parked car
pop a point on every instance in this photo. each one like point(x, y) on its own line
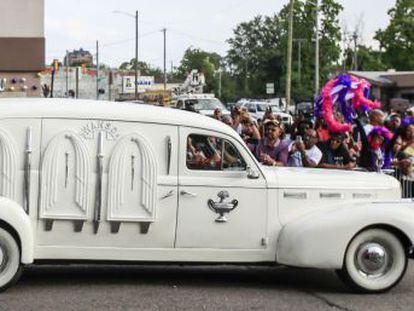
point(257, 110)
point(204, 104)
point(98, 181)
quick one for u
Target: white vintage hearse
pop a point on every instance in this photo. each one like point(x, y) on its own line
point(97, 181)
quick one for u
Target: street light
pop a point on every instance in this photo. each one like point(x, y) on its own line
point(136, 45)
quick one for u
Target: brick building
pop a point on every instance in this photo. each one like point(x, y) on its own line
point(22, 47)
point(78, 57)
point(390, 86)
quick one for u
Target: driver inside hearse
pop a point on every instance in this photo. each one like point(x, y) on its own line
point(206, 153)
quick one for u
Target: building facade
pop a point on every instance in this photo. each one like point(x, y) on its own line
point(390, 86)
point(22, 47)
point(78, 57)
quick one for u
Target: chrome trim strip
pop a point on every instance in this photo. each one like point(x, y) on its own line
point(295, 195)
point(331, 195)
point(98, 198)
point(28, 168)
point(169, 150)
point(362, 195)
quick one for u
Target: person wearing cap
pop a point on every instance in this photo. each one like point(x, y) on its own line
point(334, 153)
point(273, 149)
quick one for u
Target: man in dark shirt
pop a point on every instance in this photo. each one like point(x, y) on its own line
point(335, 154)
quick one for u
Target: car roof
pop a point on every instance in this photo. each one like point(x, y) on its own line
point(117, 111)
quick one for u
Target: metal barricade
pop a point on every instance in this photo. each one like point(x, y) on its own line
point(407, 184)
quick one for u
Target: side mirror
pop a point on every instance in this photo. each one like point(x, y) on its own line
point(252, 174)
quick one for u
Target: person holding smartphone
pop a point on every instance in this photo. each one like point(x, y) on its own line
point(304, 152)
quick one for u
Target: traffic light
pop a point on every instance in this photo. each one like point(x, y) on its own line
point(55, 64)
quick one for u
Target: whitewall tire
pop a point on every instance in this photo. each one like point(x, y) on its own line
point(10, 266)
point(375, 261)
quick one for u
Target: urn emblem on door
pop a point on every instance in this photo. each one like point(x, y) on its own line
point(223, 206)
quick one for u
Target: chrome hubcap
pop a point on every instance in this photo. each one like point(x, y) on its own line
point(3, 258)
point(373, 260)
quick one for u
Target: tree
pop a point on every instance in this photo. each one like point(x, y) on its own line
point(398, 38)
point(144, 68)
point(206, 62)
point(368, 59)
point(258, 48)
point(255, 57)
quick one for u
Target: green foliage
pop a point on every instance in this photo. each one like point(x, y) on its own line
point(258, 49)
point(368, 59)
point(144, 68)
point(398, 38)
point(206, 62)
point(256, 54)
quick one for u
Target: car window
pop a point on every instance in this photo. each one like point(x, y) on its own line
point(276, 108)
point(212, 154)
point(251, 107)
point(262, 107)
point(180, 104)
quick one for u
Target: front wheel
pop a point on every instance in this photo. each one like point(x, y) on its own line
point(10, 266)
point(375, 261)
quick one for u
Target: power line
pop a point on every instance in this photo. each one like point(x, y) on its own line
point(179, 32)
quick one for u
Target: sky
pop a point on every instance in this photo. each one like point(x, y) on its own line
point(202, 24)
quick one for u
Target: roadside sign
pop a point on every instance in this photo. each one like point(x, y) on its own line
point(144, 82)
point(270, 88)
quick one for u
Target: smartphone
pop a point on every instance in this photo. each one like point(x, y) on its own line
point(298, 139)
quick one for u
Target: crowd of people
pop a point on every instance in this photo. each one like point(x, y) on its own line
point(377, 141)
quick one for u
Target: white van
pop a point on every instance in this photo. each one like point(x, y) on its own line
point(98, 181)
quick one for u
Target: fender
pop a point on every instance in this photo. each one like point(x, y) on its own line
point(14, 215)
point(319, 240)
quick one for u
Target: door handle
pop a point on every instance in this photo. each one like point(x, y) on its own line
point(188, 194)
point(168, 194)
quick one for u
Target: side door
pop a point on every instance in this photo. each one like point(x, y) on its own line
point(219, 206)
point(107, 184)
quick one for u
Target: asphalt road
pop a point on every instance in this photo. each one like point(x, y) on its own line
point(92, 287)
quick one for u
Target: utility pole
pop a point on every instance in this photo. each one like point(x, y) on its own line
point(246, 78)
point(299, 62)
point(164, 30)
point(77, 82)
point(136, 55)
point(289, 56)
point(97, 69)
point(299, 41)
point(219, 86)
point(317, 49)
point(355, 60)
point(136, 46)
point(110, 82)
point(67, 73)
